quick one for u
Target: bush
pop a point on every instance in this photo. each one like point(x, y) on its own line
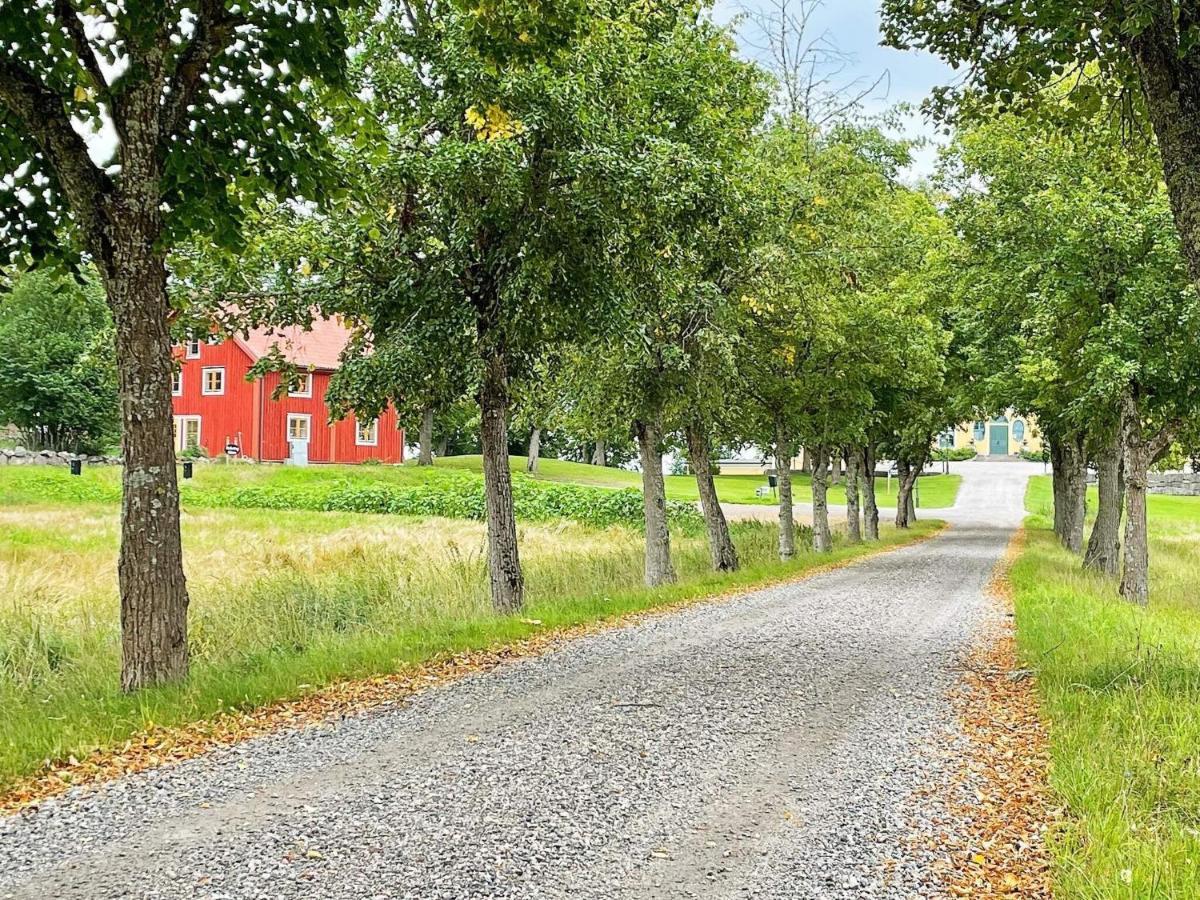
point(957, 454)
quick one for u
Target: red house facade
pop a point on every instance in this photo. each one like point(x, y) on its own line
point(217, 409)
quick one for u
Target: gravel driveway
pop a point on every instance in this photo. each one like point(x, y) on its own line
point(761, 747)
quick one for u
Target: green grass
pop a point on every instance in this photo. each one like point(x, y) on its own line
point(30, 484)
point(1120, 687)
point(285, 600)
point(937, 491)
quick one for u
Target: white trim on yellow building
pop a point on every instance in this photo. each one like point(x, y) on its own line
point(1008, 434)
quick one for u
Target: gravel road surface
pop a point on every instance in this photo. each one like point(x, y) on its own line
point(762, 747)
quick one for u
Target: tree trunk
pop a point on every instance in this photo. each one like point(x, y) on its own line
point(724, 555)
point(853, 462)
point(783, 478)
point(426, 438)
point(870, 504)
point(600, 454)
point(1135, 579)
point(1104, 546)
point(442, 447)
point(659, 569)
point(822, 537)
point(535, 450)
point(1171, 86)
point(504, 564)
point(835, 468)
point(154, 597)
point(906, 508)
point(1056, 484)
point(1071, 493)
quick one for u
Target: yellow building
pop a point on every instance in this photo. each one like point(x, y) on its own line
point(999, 437)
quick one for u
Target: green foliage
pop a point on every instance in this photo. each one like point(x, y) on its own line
point(957, 454)
point(57, 382)
point(1073, 286)
point(840, 328)
point(253, 133)
point(1010, 52)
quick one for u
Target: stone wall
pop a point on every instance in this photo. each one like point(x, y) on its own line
point(19, 456)
point(1179, 484)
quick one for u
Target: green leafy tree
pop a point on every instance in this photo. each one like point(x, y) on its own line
point(1075, 269)
point(665, 364)
point(486, 207)
point(57, 382)
point(1146, 54)
point(828, 324)
point(195, 109)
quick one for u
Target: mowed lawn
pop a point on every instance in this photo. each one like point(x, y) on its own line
point(285, 601)
point(1121, 693)
point(937, 491)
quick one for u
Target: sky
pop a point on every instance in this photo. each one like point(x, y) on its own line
point(853, 27)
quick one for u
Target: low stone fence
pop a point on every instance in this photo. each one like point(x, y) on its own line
point(19, 456)
point(1179, 484)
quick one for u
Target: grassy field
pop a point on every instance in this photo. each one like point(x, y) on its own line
point(26, 484)
point(1121, 691)
point(284, 600)
point(937, 491)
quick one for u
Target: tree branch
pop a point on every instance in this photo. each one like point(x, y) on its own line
point(214, 28)
point(69, 18)
point(42, 111)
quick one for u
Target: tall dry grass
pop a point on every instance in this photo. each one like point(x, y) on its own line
point(283, 599)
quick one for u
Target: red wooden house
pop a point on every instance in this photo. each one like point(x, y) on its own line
point(217, 409)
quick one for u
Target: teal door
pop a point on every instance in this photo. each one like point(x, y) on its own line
point(998, 440)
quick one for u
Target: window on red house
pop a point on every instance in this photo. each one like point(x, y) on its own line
point(368, 433)
point(298, 427)
point(193, 349)
point(302, 387)
point(213, 381)
point(177, 383)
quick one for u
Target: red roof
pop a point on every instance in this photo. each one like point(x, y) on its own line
point(320, 347)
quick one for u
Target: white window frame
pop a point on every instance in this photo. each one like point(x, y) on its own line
point(303, 394)
point(181, 432)
point(177, 383)
point(192, 348)
point(358, 439)
point(204, 373)
point(297, 417)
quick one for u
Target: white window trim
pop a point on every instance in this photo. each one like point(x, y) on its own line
point(204, 381)
point(189, 352)
point(177, 375)
point(303, 394)
point(307, 427)
point(358, 441)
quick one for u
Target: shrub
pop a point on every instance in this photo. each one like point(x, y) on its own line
point(957, 454)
